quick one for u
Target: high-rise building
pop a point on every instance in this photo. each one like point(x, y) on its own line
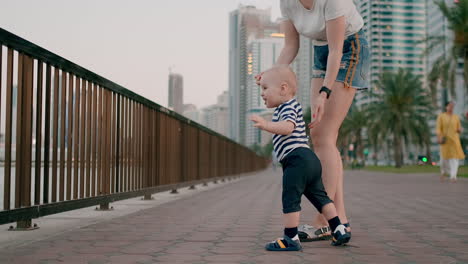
point(215, 117)
point(223, 99)
point(245, 24)
point(191, 112)
point(255, 44)
point(437, 25)
point(302, 66)
point(176, 92)
point(262, 55)
point(394, 30)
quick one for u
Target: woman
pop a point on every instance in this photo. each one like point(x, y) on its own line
point(448, 135)
point(341, 66)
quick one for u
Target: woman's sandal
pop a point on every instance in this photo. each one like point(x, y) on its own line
point(307, 234)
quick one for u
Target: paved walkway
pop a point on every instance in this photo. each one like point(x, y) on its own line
point(395, 219)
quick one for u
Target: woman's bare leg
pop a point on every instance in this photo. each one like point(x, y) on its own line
point(324, 137)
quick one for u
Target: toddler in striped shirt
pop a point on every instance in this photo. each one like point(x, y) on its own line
point(301, 167)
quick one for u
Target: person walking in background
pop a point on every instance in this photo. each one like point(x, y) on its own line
point(448, 135)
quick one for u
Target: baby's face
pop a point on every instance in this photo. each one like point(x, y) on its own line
point(271, 90)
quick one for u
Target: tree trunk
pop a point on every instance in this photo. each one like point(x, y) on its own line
point(375, 155)
point(343, 149)
point(465, 69)
point(427, 142)
point(360, 147)
point(397, 151)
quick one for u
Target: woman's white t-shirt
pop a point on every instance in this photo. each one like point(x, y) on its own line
point(311, 22)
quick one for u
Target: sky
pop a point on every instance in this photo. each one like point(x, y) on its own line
point(134, 43)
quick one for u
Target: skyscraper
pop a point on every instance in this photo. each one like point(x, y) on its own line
point(394, 30)
point(302, 66)
point(245, 24)
point(262, 55)
point(176, 92)
point(191, 112)
point(215, 116)
point(437, 25)
point(254, 46)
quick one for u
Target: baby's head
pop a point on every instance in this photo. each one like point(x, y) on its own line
point(278, 85)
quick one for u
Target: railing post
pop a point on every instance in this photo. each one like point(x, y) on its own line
point(147, 122)
point(104, 207)
point(103, 169)
point(117, 148)
point(24, 138)
point(148, 197)
point(38, 165)
point(8, 130)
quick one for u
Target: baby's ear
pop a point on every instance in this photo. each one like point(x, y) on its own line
point(284, 87)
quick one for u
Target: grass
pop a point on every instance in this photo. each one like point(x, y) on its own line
point(462, 171)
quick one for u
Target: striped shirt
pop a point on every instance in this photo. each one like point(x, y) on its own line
point(284, 144)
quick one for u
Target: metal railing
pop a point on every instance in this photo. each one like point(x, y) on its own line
point(74, 139)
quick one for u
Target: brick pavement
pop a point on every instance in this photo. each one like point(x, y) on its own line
point(395, 218)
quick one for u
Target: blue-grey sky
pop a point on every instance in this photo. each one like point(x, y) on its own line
point(134, 42)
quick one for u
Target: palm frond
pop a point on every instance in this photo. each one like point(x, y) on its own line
point(445, 67)
point(400, 108)
point(432, 42)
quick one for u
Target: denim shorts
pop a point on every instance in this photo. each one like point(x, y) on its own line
point(355, 63)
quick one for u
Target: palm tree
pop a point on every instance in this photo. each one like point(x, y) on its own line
point(351, 131)
point(400, 110)
point(445, 67)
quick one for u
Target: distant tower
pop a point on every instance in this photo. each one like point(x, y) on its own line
point(262, 54)
point(176, 92)
point(246, 24)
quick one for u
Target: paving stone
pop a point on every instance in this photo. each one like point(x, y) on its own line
point(396, 218)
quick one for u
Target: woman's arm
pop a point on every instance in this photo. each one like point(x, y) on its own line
point(291, 43)
point(335, 37)
point(290, 48)
point(459, 127)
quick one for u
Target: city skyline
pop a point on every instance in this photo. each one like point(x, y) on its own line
point(131, 44)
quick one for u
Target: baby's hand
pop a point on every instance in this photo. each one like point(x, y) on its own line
point(259, 121)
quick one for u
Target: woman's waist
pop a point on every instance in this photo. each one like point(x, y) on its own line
point(360, 33)
point(350, 36)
